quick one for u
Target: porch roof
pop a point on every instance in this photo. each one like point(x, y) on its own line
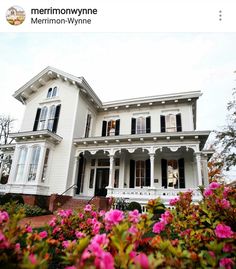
point(153, 138)
point(36, 135)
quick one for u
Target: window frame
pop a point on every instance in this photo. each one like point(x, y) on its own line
point(34, 163)
point(21, 164)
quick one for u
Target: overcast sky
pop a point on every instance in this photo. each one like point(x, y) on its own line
point(126, 65)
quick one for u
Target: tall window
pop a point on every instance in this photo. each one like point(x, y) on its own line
point(42, 119)
point(88, 125)
point(45, 165)
point(21, 164)
point(171, 123)
point(110, 128)
point(141, 125)
point(47, 118)
point(51, 118)
point(140, 173)
point(34, 163)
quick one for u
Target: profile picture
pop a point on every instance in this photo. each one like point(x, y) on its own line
point(15, 15)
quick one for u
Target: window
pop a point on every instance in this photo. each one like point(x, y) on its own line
point(88, 124)
point(21, 164)
point(110, 128)
point(91, 180)
point(45, 165)
point(141, 125)
point(34, 163)
point(171, 123)
point(42, 119)
point(116, 179)
point(140, 173)
point(47, 118)
point(52, 92)
point(52, 112)
point(173, 173)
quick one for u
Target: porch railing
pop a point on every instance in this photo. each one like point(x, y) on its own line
point(145, 194)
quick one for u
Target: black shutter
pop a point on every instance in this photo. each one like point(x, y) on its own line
point(56, 119)
point(117, 131)
point(133, 126)
point(163, 124)
point(36, 121)
point(164, 172)
point(181, 173)
point(131, 173)
point(178, 123)
point(148, 172)
point(148, 125)
point(80, 173)
point(104, 128)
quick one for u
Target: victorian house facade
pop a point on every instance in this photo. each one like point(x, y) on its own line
point(136, 149)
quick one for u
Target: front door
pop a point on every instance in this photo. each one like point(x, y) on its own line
point(102, 180)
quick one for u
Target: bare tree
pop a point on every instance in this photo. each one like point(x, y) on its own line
point(6, 125)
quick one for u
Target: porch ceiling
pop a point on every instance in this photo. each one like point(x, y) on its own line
point(197, 137)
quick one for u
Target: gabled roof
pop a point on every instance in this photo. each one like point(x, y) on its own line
point(50, 73)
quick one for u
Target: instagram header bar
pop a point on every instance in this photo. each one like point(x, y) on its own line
point(118, 16)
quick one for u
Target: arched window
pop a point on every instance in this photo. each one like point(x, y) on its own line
point(42, 118)
point(34, 163)
point(52, 112)
point(21, 164)
point(54, 92)
point(49, 94)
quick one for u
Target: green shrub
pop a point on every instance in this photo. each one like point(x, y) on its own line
point(135, 205)
point(121, 204)
point(11, 197)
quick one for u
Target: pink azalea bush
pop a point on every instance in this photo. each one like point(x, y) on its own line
point(189, 235)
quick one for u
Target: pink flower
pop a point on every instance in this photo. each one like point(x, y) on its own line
point(43, 234)
point(224, 203)
point(133, 230)
point(207, 192)
point(32, 258)
point(158, 227)
point(17, 246)
point(134, 216)
point(100, 239)
point(81, 215)
point(226, 263)
point(4, 217)
point(102, 213)
point(173, 201)
point(223, 231)
point(70, 267)
point(65, 213)
point(79, 234)
point(227, 247)
point(104, 261)
point(166, 217)
point(212, 254)
point(94, 214)
point(142, 259)
point(114, 216)
point(29, 229)
point(214, 185)
point(65, 244)
point(226, 191)
point(52, 222)
point(88, 208)
point(96, 227)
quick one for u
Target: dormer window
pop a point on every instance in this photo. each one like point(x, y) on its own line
point(52, 92)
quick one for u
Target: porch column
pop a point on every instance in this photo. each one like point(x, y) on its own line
point(40, 165)
point(205, 171)
point(199, 172)
point(75, 173)
point(152, 159)
point(111, 171)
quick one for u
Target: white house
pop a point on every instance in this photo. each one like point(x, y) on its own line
point(135, 148)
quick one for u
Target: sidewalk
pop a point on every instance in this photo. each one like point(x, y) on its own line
point(36, 222)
